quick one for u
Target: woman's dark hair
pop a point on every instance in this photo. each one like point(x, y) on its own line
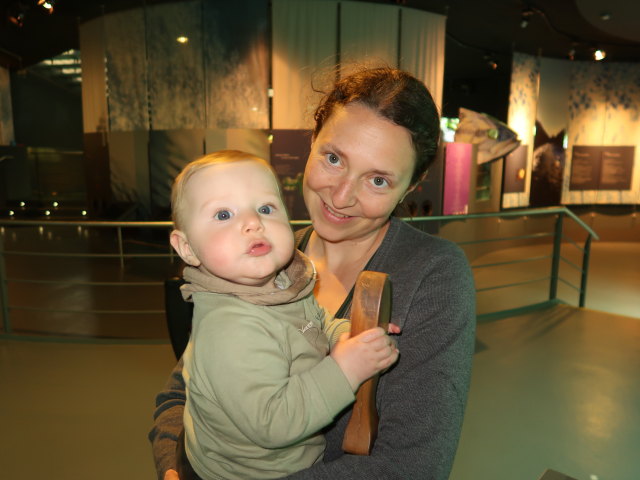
point(395, 95)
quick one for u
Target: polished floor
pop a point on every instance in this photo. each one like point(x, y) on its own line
point(554, 389)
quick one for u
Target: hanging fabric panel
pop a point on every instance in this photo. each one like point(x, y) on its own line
point(523, 101)
point(304, 42)
point(368, 34)
point(422, 49)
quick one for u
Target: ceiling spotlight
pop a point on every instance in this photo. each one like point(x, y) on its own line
point(17, 19)
point(47, 5)
point(16, 13)
point(599, 54)
point(491, 62)
point(182, 39)
point(527, 13)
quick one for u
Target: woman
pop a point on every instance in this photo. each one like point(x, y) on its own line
point(376, 134)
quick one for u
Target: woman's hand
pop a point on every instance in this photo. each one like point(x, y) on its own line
point(364, 355)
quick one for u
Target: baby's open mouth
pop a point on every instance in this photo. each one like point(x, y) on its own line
point(259, 248)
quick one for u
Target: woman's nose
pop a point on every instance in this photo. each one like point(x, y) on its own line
point(344, 193)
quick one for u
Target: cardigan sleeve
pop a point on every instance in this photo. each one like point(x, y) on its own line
point(167, 421)
point(421, 400)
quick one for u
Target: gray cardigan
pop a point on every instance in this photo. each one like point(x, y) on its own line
point(421, 400)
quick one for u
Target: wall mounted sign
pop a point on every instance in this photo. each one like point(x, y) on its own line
point(289, 152)
point(601, 167)
point(515, 170)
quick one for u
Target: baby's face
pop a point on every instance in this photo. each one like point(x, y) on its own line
point(236, 223)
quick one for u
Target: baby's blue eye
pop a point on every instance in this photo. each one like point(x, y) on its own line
point(332, 158)
point(223, 215)
point(265, 209)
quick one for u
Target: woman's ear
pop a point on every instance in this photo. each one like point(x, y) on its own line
point(180, 243)
point(413, 187)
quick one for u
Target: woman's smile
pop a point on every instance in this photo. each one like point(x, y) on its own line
point(333, 213)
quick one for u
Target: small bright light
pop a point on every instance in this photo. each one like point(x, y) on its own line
point(270, 138)
point(84, 213)
point(47, 213)
point(22, 204)
point(55, 204)
point(599, 55)
point(40, 229)
point(47, 5)
point(254, 109)
point(182, 39)
point(11, 213)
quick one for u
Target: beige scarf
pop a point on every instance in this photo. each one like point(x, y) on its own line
point(293, 283)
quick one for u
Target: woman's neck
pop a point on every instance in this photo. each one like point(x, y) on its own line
point(338, 265)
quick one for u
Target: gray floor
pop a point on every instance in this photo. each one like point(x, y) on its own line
point(556, 389)
point(553, 389)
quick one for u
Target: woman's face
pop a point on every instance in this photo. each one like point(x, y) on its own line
point(359, 169)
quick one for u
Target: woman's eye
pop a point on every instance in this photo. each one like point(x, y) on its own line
point(223, 215)
point(332, 158)
point(265, 209)
point(379, 181)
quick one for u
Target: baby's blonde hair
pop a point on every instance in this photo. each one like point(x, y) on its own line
point(217, 158)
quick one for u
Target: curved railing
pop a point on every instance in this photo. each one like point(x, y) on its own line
point(556, 236)
point(39, 256)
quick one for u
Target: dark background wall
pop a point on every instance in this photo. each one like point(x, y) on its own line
point(45, 114)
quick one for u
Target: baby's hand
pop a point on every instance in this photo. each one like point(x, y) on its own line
point(393, 329)
point(364, 355)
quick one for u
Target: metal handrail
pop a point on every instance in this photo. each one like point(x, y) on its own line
point(554, 277)
point(514, 213)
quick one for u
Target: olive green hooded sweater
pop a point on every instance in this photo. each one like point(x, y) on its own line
point(259, 382)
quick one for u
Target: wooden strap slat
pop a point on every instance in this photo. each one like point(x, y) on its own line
point(371, 307)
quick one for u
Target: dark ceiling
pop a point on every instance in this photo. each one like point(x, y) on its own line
point(478, 33)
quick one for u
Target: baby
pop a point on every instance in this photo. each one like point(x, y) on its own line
point(260, 383)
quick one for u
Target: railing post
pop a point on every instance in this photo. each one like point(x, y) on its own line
point(555, 261)
point(4, 296)
point(585, 271)
point(120, 248)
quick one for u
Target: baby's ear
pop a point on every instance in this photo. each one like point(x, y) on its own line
point(181, 245)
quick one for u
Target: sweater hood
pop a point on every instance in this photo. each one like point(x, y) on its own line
point(294, 282)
